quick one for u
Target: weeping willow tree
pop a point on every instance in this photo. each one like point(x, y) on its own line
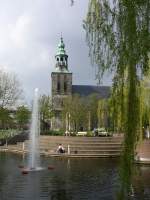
point(102, 113)
point(117, 105)
point(145, 100)
point(118, 36)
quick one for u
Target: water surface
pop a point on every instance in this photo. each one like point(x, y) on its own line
point(71, 179)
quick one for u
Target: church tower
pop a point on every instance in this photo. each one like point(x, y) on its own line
point(61, 86)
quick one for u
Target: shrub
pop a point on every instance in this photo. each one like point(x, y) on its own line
point(53, 133)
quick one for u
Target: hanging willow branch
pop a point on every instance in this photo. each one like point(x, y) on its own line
point(118, 36)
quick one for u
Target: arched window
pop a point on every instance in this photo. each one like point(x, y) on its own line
point(65, 86)
point(61, 59)
point(58, 83)
point(58, 86)
point(57, 59)
point(65, 83)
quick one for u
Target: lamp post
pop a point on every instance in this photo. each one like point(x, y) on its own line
point(89, 117)
point(66, 124)
point(69, 123)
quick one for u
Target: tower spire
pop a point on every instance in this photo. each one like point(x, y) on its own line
point(61, 57)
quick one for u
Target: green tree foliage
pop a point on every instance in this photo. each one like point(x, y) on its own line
point(102, 113)
point(22, 116)
point(46, 113)
point(118, 35)
point(82, 112)
point(76, 109)
point(117, 104)
point(91, 106)
point(5, 118)
point(145, 104)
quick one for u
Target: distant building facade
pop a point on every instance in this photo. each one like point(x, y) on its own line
point(61, 86)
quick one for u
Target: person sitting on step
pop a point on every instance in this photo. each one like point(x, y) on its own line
point(60, 149)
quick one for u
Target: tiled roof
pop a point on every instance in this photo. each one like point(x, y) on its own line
point(85, 90)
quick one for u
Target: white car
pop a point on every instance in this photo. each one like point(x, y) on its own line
point(100, 132)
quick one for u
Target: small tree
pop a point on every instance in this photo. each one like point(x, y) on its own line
point(5, 118)
point(10, 90)
point(76, 109)
point(46, 112)
point(102, 113)
point(22, 116)
point(92, 106)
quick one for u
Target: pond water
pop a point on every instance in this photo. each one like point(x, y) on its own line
point(71, 179)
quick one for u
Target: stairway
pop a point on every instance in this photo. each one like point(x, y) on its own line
point(81, 146)
point(78, 146)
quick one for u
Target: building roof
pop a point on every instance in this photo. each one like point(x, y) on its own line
point(61, 48)
point(86, 90)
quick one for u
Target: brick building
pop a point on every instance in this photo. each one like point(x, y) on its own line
point(61, 87)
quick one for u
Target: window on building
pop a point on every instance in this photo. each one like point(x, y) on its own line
point(58, 83)
point(65, 86)
point(65, 83)
point(58, 86)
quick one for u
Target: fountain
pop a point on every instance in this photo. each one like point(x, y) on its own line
point(34, 152)
point(34, 155)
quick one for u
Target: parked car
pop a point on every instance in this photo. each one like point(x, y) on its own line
point(100, 132)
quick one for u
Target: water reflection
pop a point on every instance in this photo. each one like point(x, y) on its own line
point(71, 179)
point(142, 182)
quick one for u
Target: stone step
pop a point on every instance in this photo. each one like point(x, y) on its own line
point(83, 149)
point(78, 154)
point(96, 152)
point(83, 141)
point(15, 147)
point(79, 150)
point(87, 155)
point(79, 146)
point(82, 153)
point(100, 139)
point(76, 141)
point(80, 143)
point(78, 138)
point(75, 147)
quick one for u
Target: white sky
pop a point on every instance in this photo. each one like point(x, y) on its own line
point(29, 34)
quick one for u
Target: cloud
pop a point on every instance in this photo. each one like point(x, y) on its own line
point(19, 32)
point(29, 34)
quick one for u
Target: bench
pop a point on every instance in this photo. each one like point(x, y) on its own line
point(82, 133)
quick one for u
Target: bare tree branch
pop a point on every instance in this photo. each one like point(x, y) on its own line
point(10, 90)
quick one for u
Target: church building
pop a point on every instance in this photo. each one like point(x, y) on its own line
point(62, 87)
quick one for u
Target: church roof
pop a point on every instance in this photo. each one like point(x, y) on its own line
point(61, 48)
point(86, 90)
